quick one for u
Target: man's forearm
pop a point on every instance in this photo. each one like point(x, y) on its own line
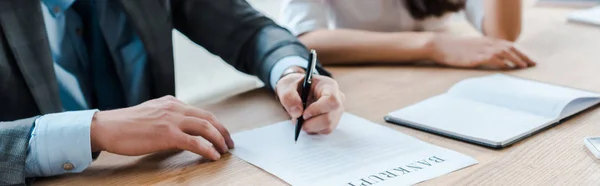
point(236, 32)
point(503, 19)
point(269, 46)
point(344, 46)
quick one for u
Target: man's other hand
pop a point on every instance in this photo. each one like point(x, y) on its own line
point(160, 124)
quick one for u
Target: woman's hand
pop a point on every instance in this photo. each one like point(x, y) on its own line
point(480, 52)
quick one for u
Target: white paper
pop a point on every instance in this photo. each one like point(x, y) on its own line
point(466, 118)
point(519, 94)
point(357, 152)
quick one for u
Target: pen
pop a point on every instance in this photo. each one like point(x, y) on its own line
point(312, 61)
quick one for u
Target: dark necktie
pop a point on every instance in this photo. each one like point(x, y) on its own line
point(107, 91)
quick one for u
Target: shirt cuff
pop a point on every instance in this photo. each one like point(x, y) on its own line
point(59, 144)
point(284, 64)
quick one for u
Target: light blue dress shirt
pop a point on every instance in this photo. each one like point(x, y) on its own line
point(64, 138)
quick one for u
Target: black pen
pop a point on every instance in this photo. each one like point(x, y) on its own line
point(312, 62)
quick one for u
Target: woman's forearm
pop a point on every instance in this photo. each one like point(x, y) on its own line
point(344, 46)
point(503, 19)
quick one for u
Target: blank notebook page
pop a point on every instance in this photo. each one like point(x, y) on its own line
point(478, 120)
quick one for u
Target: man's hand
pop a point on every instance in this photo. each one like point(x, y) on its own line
point(325, 102)
point(480, 52)
point(159, 124)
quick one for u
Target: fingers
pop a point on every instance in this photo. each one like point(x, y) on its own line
point(328, 101)
point(520, 54)
point(172, 98)
point(291, 101)
point(322, 124)
point(173, 104)
point(287, 92)
point(511, 53)
point(517, 57)
point(199, 127)
point(512, 57)
point(197, 145)
point(498, 63)
point(213, 121)
point(504, 55)
point(323, 115)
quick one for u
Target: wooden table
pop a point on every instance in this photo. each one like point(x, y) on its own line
point(568, 54)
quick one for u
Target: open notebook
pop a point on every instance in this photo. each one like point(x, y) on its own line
point(494, 111)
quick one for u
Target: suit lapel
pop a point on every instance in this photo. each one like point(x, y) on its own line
point(25, 31)
point(153, 25)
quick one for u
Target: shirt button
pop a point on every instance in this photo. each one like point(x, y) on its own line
point(68, 166)
point(56, 9)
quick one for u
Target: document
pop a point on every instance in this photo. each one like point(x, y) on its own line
point(496, 110)
point(358, 152)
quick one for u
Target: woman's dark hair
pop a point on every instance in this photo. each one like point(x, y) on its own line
point(421, 9)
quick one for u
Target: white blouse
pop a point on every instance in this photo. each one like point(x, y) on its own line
point(301, 16)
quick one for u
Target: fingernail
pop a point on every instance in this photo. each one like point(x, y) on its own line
point(307, 116)
point(295, 111)
point(217, 155)
point(509, 64)
point(231, 144)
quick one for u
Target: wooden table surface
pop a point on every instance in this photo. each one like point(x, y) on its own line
point(567, 54)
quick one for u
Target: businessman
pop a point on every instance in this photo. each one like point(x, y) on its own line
point(78, 77)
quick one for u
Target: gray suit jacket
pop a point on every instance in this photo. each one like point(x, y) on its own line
point(231, 29)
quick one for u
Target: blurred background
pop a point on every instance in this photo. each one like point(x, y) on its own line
point(202, 78)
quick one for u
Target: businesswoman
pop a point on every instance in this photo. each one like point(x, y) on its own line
point(404, 31)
